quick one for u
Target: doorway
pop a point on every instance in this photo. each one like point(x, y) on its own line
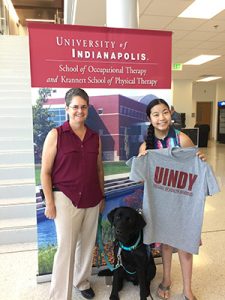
point(204, 114)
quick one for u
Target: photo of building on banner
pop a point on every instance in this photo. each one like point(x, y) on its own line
point(121, 70)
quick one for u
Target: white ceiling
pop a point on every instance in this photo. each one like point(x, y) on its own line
point(191, 37)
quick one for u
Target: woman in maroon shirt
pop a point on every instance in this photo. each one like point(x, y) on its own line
point(73, 182)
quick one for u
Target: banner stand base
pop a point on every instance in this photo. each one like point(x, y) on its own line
point(44, 278)
point(47, 277)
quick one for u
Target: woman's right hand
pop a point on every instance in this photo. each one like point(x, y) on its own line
point(142, 150)
point(50, 211)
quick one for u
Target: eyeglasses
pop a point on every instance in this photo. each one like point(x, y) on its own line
point(77, 107)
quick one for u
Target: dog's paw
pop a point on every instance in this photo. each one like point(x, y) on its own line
point(105, 272)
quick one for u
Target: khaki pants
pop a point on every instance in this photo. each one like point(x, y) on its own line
point(76, 230)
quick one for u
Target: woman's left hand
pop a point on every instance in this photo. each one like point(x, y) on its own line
point(201, 155)
point(142, 153)
point(102, 205)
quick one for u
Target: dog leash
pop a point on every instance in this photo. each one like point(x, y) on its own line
point(120, 263)
point(101, 247)
point(121, 246)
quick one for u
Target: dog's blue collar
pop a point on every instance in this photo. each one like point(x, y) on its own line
point(133, 247)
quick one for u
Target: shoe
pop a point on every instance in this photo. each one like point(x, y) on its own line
point(88, 294)
point(165, 290)
point(186, 298)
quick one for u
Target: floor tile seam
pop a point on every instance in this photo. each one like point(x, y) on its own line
point(18, 251)
point(14, 228)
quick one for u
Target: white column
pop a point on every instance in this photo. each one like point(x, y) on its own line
point(122, 13)
point(70, 10)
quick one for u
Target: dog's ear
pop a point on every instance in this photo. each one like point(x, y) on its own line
point(110, 215)
point(140, 221)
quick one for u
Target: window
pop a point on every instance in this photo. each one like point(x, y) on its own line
point(58, 115)
point(100, 111)
point(122, 130)
point(4, 19)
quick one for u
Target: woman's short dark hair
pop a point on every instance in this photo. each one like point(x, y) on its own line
point(76, 92)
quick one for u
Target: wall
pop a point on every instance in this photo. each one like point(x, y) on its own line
point(186, 94)
point(220, 95)
point(182, 100)
point(220, 91)
point(206, 92)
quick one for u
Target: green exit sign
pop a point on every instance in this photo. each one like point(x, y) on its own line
point(177, 67)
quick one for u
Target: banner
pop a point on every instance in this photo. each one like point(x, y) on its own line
point(99, 57)
point(122, 70)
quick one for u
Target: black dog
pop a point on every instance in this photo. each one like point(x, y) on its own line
point(132, 259)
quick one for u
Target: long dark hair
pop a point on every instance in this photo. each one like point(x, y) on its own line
point(150, 132)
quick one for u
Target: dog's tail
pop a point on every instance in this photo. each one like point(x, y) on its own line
point(105, 272)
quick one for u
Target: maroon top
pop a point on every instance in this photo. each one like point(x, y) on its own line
point(75, 167)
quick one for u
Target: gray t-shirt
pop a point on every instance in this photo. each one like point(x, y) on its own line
point(176, 182)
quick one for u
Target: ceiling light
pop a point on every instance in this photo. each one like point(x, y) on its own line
point(203, 9)
point(201, 59)
point(41, 20)
point(210, 78)
point(11, 9)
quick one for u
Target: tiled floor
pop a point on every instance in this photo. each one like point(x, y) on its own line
point(18, 263)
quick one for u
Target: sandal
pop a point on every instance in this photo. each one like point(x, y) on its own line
point(186, 298)
point(165, 290)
